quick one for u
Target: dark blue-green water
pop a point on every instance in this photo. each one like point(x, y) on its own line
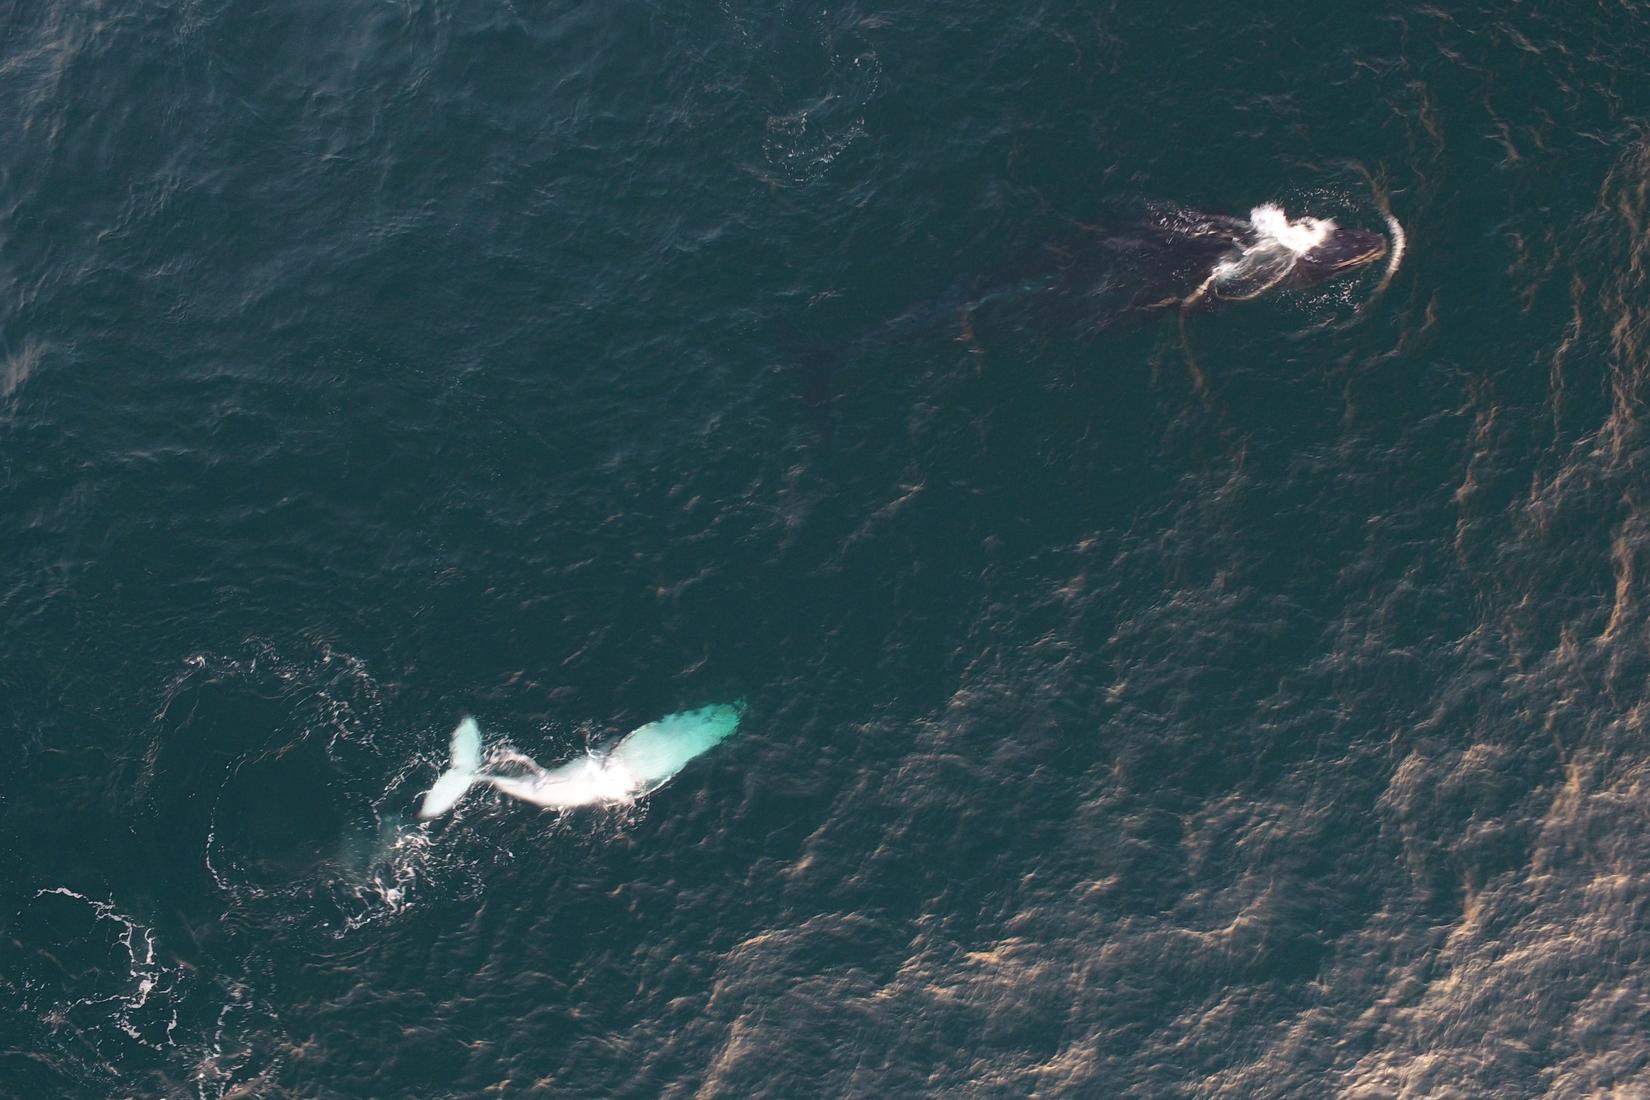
point(1238, 702)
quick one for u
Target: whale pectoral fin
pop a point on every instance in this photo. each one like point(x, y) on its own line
point(462, 771)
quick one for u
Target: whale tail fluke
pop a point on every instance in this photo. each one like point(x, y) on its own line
point(462, 771)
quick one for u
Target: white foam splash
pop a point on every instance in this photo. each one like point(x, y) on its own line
point(1279, 244)
point(1298, 236)
point(1269, 260)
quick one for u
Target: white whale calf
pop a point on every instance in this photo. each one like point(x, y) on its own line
point(638, 764)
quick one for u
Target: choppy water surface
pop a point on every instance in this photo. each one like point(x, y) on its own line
point(1248, 702)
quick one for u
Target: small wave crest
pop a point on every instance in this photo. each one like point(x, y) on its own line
point(1395, 255)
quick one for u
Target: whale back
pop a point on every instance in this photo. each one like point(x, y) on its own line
point(582, 781)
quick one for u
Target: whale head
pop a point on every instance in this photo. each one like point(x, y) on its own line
point(1340, 251)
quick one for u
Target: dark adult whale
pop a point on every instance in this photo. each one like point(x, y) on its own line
point(1137, 260)
point(1165, 256)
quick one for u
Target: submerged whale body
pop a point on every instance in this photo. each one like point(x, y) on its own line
point(1149, 256)
point(638, 764)
point(1137, 260)
point(1166, 256)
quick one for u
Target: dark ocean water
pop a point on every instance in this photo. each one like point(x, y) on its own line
point(1245, 704)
